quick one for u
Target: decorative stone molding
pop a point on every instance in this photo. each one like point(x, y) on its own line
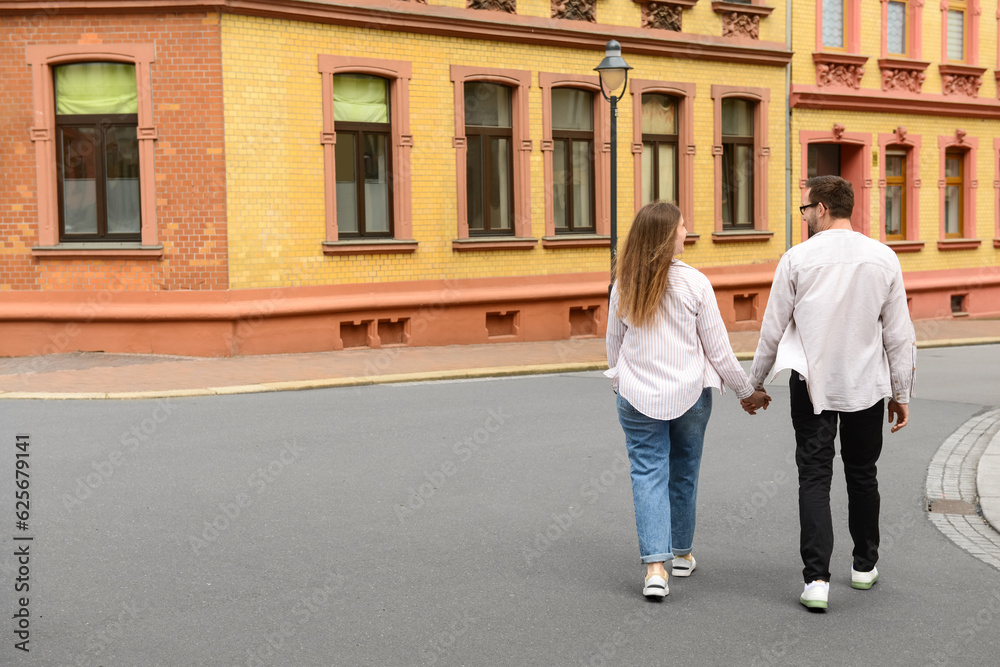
point(963, 80)
point(960, 135)
point(741, 20)
point(837, 70)
point(575, 10)
point(509, 6)
point(903, 75)
point(662, 16)
point(838, 131)
point(900, 134)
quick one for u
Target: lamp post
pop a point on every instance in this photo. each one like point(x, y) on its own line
point(613, 71)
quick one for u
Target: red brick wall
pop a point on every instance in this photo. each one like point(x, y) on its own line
point(190, 162)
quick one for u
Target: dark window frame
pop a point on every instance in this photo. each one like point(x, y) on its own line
point(99, 123)
point(569, 138)
point(485, 134)
point(359, 132)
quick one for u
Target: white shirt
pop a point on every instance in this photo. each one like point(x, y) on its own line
point(662, 367)
point(837, 314)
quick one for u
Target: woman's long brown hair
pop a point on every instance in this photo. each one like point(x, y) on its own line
point(644, 262)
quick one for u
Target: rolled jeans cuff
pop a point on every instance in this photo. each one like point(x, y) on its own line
point(657, 558)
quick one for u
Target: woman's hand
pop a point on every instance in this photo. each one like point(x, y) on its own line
point(755, 401)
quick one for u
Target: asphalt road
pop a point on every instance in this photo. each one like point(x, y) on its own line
point(460, 523)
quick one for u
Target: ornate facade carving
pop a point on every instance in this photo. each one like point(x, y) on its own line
point(907, 80)
point(575, 10)
point(509, 6)
point(961, 84)
point(738, 24)
point(839, 74)
point(661, 15)
point(838, 131)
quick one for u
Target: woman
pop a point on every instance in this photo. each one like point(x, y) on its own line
point(667, 346)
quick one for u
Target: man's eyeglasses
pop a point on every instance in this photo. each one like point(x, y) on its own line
point(803, 209)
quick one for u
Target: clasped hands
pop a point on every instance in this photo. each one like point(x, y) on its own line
point(755, 401)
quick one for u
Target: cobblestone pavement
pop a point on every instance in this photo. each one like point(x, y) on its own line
point(952, 495)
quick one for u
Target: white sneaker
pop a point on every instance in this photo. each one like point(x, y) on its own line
point(682, 567)
point(863, 580)
point(815, 595)
point(655, 586)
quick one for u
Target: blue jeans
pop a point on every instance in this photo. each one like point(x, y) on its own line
point(665, 458)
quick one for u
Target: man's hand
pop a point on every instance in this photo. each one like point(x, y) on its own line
point(902, 413)
point(755, 401)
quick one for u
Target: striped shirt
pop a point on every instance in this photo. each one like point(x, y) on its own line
point(662, 367)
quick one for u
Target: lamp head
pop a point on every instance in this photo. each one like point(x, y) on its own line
point(613, 70)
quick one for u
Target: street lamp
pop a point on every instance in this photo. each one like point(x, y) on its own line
point(613, 71)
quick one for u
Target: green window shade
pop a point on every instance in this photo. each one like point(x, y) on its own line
point(358, 98)
point(96, 88)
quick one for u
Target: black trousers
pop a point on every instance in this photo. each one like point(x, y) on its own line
point(860, 447)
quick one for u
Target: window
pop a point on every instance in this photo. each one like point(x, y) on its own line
point(492, 159)
point(362, 158)
point(659, 148)
point(741, 156)
point(95, 139)
point(956, 31)
point(834, 20)
point(896, 35)
point(737, 163)
point(954, 204)
point(97, 150)
point(489, 158)
point(895, 195)
point(573, 160)
point(366, 155)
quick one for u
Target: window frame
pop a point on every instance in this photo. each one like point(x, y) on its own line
point(761, 154)
point(98, 122)
point(952, 181)
point(398, 74)
point(970, 31)
point(570, 138)
point(43, 58)
point(968, 147)
point(485, 133)
point(910, 144)
point(602, 162)
point(685, 94)
point(359, 130)
point(519, 81)
point(895, 182)
point(852, 28)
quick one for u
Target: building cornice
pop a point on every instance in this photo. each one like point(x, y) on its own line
point(413, 17)
point(812, 97)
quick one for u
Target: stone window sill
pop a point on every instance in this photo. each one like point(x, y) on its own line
point(478, 243)
point(576, 241)
point(906, 246)
point(742, 236)
point(369, 246)
point(86, 250)
point(959, 244)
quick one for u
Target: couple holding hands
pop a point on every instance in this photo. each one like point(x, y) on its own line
point(836, 316)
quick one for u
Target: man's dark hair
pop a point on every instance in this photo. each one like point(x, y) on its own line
point(836, 193)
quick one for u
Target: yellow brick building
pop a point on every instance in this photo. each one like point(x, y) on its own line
point(406, 173)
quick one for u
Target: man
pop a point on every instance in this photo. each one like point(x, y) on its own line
point(837, 317)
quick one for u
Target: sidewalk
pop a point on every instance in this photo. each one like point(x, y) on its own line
point(94, 375)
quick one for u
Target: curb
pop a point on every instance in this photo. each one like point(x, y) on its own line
point(988, 483)
point(327, 383)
